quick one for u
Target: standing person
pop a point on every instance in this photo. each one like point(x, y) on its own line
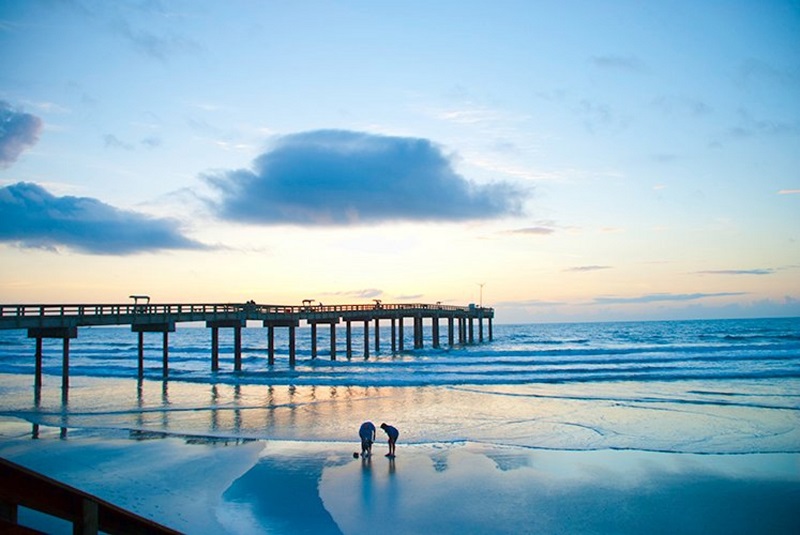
point(392, 433)
point(367, 434)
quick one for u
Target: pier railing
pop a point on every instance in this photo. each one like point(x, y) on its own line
point(79, 315)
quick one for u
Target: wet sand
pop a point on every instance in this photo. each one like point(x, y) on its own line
point(201, 485)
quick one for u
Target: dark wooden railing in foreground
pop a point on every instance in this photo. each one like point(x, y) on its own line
point(20, 486)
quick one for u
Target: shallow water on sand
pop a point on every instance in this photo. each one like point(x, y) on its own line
point(678, 417)
point(608, 428)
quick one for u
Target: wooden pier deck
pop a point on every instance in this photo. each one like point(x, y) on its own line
point(63, 321)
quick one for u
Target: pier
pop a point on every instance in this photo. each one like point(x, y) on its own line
point(464, 324)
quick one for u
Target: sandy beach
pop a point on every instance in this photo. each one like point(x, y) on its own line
point(200, 485)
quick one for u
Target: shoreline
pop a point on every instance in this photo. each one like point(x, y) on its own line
point(288, 486)
point(682, 417)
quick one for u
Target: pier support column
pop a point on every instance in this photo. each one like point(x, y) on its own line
point(313, 323)
point(394, 335)
point(435, 331)
point(450, 338)
point(333, 341)
point(65, 371)
point(490, 330)
point(292, 352)
point(462, 331)
point(313, 340)
point(140, 329)
point(377, 335)
point(214, 349)
point(37, 379)
point(65, 333)
point(418, 343)
point(400, 337)
point(471, 330)
point(270, 324)
point(271, 344)
point(165, 355)
point(237, 348)
point(480, 329)
point(349, 334)
point(140, 354)
point(366, 339)
point(236, 325)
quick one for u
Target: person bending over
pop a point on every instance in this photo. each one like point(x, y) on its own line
point(367, 434)
point(392, 433)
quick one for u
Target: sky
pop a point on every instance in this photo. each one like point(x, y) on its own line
point(555, 160)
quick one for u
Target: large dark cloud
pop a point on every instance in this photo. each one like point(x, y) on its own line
point(32, 217)
point(18, 132)
point(342, 178)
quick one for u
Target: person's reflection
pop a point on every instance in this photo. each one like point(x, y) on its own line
point(366, 480)
point(392, 467)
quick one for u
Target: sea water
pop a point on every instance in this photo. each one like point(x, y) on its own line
point(728, 386)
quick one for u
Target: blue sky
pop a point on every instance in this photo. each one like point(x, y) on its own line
point(582, 160)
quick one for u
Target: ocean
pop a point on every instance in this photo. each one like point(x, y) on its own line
point(727, 386)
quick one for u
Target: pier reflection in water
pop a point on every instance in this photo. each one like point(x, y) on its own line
point(151, 408)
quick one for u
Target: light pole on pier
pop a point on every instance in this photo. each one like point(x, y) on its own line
point(480, 303)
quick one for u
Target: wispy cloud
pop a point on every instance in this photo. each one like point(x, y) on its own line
point(789, 192)
point(337, 177)
point(628, 64)
point(533, 231)
point(34, 218)
point(367, 293)
point(113, 142)
point(151, 142)
point(756, 71)
point(528, 303)
point(750, 126)
point(600, 117)
point(468, 115)
point(154, 45)
point(582, 269)
point(671, 104)
point(660, 297)
point(18, 132)
point(736, 272)
point(409, 297)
